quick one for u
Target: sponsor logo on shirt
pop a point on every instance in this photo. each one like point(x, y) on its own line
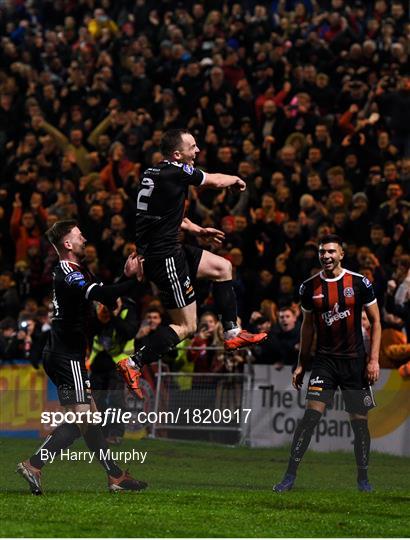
point(334, 315)
point(316, 380)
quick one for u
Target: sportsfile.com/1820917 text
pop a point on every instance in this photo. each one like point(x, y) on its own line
point(180, 415)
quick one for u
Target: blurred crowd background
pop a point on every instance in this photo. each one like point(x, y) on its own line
point(308, 101)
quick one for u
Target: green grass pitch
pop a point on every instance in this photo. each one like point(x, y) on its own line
point(202, 490)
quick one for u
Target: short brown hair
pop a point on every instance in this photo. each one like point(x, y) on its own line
point(335, 170)
point(59, 230)
point(172, 141)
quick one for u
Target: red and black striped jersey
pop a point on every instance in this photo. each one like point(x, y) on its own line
point(337, 305)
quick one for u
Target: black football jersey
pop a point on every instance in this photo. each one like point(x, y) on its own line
point(160, 206)
point(72, 311)
point(337, 306)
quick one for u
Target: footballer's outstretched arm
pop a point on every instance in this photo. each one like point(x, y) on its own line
point(220, 181)
point(189, 226)
point(209, 234)
point(108, 294)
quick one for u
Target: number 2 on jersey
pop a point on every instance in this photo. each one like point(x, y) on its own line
point(145, 192)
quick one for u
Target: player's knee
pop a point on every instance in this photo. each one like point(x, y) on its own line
point(360, 427)
point(223, 270)
point(228, 269)
point(191, 327)
point(66, 434)
point(356, 416)
point(185, 330)
point(85, 427)
point(311, 418)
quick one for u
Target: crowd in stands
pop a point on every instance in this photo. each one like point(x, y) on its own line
point(308, 101)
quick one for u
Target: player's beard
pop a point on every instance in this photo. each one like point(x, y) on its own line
point(331, 266)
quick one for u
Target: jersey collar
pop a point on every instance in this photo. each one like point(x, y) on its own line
point(71, 262)
point(322, 275)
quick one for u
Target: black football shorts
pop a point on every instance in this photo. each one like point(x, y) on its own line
point(349, 375)
point(174, 275)
point(70, 376)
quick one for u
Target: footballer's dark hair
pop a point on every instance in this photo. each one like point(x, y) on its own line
point(59, 230)
point(331, 239)
point(172, 141)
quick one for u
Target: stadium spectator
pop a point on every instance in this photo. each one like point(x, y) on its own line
point(9, 298)
point(207, 345)
point(287, 338)
point(10, 346)
point(151, 321)
point(265, 353)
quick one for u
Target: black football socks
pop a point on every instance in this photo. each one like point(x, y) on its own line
point(361, 447)
point(160, 341)
point(95, 441)
point(62, 437)
point(225, 303)
point(301, 439)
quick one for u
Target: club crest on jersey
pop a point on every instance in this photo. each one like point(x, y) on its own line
point(75, 277)
point(188, 168)
point(366, 282)
point(334, 315)
point(348, 292)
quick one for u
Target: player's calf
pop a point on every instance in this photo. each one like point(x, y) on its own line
point(300, 443)
point(361, 450)
point(156, 344)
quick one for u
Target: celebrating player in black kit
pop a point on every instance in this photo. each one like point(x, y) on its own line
point(332, 301)
point(171, 266)
point(74, 290)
